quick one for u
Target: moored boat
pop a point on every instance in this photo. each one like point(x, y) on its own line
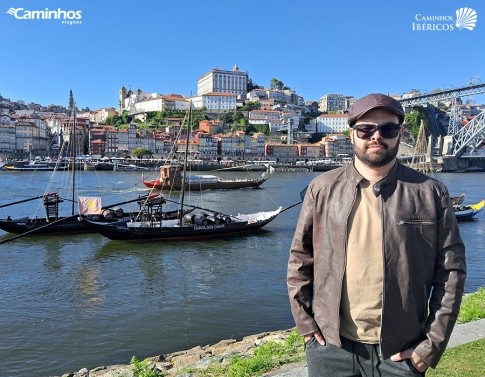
point(53, 223)
point(468, 212)
point(172, 178)
point(197, 223)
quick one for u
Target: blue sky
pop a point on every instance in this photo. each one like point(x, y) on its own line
point(315, 47)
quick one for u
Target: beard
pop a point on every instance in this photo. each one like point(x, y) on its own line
point(376, 158)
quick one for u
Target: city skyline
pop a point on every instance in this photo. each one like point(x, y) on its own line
point(350, 48)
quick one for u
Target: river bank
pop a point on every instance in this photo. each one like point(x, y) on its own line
point(177, 364)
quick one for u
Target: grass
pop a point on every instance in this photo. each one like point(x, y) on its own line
point(466, 360)
point(472, 307)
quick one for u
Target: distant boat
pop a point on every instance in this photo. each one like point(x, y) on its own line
point(467, 212)
point(458, 199)
point(171, 178)
point(129, 167)
point(33, 165)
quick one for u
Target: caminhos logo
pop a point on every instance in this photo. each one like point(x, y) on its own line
point(466, 18)
point(68, 17)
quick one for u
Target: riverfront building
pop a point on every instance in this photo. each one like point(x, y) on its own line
point(332, 123)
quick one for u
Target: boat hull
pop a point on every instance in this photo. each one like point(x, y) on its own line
point(120, 230)
point(466, 213)
point(221, 185)
point(42, 226)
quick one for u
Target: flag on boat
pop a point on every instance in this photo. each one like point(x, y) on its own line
point(89, 205)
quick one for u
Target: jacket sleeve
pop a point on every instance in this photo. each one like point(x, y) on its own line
point(448, 285)
point(300, 269)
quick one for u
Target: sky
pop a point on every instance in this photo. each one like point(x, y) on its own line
point(315, 47)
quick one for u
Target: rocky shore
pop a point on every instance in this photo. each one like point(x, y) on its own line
point(174, 364)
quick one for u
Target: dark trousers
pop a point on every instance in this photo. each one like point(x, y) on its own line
point(353, 360)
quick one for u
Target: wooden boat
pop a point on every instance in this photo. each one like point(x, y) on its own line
point(171, 178)
point(52, 223)
point(197, 223)
point(467, 212)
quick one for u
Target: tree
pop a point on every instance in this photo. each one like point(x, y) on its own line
point(251, 105)
point(250, 85)
point(413, 121)
point(141, 152)
point(276, 84)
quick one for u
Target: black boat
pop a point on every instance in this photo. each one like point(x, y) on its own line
point(197, 223)
point(52, 223)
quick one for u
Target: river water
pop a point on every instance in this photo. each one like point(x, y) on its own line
point(69, 302)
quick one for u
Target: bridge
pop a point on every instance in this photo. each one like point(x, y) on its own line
point(467, 139)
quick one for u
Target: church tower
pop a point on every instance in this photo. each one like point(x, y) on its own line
point(121, 101)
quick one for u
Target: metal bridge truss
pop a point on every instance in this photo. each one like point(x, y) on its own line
point(454, 124)
point(466, 139)
point(470, 137)
point(443, 95)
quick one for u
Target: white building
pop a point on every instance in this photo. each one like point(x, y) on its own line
point(128, 99)
point(332, 123)
point(160, 103)
point(218, 80)
point(215, 102)
point(100, 116)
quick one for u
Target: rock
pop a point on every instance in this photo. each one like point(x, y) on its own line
point(198, 357)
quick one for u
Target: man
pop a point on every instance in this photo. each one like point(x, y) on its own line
point(377, 265)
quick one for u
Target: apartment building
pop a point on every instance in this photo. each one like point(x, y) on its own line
point(337, 144)
point(311, 151)
point(232, 145)
point(7, 138)
point(332, 102)
point(282, 151)
point(208, 145)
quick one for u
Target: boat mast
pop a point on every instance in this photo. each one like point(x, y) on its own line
point(73, 152)
point(184, 172)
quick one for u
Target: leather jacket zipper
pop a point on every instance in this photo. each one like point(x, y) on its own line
point(416, 222)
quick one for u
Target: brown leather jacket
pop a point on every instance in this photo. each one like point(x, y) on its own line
point(423, 256)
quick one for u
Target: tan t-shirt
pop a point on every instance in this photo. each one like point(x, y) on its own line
point(361, 305)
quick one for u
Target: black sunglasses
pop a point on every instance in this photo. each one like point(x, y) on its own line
point(387, 131)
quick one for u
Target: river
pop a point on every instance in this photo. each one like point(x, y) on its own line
point(69, 302)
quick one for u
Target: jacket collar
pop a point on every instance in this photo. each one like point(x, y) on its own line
point(384, 187)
